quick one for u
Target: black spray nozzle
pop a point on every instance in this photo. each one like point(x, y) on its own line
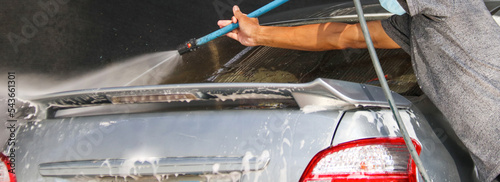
point(187, 47)
point(193, 44)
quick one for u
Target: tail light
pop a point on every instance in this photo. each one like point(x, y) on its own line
point(5, 175)
point(375, 159)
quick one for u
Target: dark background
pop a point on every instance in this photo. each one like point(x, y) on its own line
point(69, 37)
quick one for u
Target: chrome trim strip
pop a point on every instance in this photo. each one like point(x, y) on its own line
point(154, 166)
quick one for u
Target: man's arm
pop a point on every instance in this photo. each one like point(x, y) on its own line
point(315, 37)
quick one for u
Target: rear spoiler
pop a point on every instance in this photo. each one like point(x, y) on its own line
point(324, 93)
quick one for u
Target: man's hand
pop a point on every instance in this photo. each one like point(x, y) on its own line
point(248, 32)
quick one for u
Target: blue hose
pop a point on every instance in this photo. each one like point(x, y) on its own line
point(191, 45)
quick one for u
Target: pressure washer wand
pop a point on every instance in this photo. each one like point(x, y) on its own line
point(192, 44)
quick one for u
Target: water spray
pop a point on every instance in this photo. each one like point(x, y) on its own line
point(192, 44)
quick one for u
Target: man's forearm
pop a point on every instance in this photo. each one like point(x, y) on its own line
point(315, 37)
point(319, 37)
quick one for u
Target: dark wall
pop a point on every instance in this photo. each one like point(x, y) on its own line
point(65, 37)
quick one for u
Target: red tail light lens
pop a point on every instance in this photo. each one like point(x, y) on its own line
point(5, 175)
point(375, 159)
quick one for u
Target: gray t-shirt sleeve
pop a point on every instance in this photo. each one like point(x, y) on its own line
point(438, 8)
point(398, 28)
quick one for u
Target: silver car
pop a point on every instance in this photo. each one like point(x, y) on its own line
point(302, 129)
point(325, 129)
